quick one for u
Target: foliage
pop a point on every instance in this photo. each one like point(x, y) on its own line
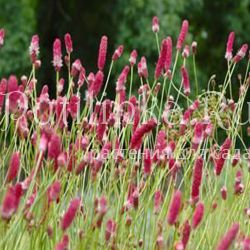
point(19, 19)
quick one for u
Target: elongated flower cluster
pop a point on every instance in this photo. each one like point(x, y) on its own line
point(230, 43)
point(182, 35)
point(70, 214)
point(57, 55)
point(174, 208)
point(102, 53)
point(197, 178)
point(185, 80)
point(227, 240)
point(34, 48)
point(139, 133)
point(13, 167)
point(2, 35)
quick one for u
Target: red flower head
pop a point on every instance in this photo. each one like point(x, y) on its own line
point(236, 159)
point(76, 67)
point(74, 106)
point(168, 60)
point(184, 121)
point(174, 208)
point(53, 192)
point(158, 199)
point(137, 137)
point(120, 85)
point(185, 80)
point(222, 156)
point(147, 161)
point(13, 167)
point(182, 35)
point(224, 192)
point(246, 244)
point(198, 215)
point(185, 234)
point(103, 119)
point(96, 86)
point(101, 208)
point(70, 213)
point(186, 51)
point(110, 229)
point(133, 57)
point(198, 135)
point(230, 43)
point(161, 60)
point(11, 201)
point(160, 145)
point(2, 35)
point(227, 240)
point(57, 55)
point(68, 43)
point(155, 24)
point(102, 53)
point(118, 53)
point(241, 53)
point(197, 177)
point(3, 88)
point(54, 147)
point(63, 244)
point(82, 76)
point(144, 68)
point(34, 48)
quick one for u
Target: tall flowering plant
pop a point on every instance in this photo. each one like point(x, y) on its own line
point(144, 170)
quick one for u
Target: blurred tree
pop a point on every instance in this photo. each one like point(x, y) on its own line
point(85, 21)
point(18, 18)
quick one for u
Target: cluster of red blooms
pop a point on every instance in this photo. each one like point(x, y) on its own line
point(102, 128)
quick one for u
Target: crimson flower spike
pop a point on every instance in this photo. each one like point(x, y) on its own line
point(227, 240)
point(34, 48)
point(118, 53)
point(155, 24)
point(102, 53)
point(147, 161)
point(185, 234)
point(11, 201)
point(168, 60)
point(63, 244)
point(241, 53)
point(197, 178)
point(182, 35)
point(161, 60)
point(136, 139)
point(198, 215)
point(53, 192)
point(13, 167)
point(110, 229)
point(68, 43)
point(174, 208)
point(133, 57)
point(229, 49)
point(185, 80)
point(2, 35)
point(222, 156)
point(57, 55)
point(70, 213)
